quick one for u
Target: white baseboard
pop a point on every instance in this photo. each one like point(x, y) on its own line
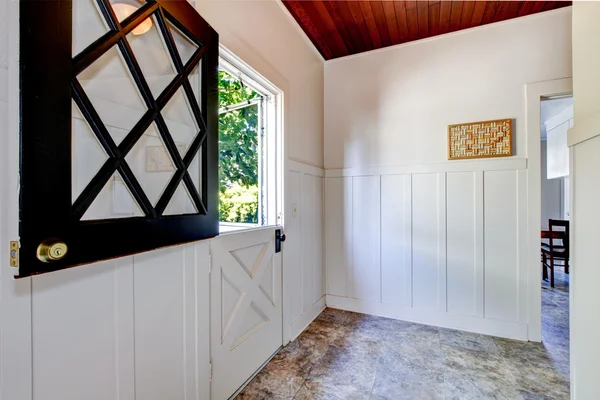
point(300, 324)
point(486, 326)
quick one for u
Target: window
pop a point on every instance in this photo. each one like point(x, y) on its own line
point(249, 147)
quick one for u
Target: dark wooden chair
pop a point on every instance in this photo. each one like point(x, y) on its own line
point(558, 230)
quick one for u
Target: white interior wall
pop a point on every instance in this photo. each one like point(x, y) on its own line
point(551, 108)
point(409, 234)
point(15, 296)
point(138, 326)
point(556, 141)
point(305, 280)
point(585, 191)
point(556, 118)
point(552, 191)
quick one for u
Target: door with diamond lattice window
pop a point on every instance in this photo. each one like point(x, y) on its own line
point(119, 108)
point(246, 306)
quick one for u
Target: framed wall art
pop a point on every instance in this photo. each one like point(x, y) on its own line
point(480, 139)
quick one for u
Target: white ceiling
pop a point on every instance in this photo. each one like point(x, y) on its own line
point(551, 108)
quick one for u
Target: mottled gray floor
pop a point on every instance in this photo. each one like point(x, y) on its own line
point(555, 318)
point(344, 355)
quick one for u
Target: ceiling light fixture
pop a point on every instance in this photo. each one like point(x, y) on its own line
point(124, 10)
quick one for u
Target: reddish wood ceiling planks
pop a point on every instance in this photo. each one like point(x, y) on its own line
point(340, 28)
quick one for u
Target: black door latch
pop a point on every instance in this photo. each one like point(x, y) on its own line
point(279, 237)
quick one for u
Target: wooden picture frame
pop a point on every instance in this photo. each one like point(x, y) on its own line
point(480, 139)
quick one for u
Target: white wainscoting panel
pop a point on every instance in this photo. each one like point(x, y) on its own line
point(165, 323)
point(293, 262)
point(338, 234)
point(318, 237)
point(303, 250)
point(464, 266)
point(396, 240)
point(82, 331)
point(442, 244)
point(522, 249)
point(501, 245)
point(366, 271)
point(427, 246)
point(307, 212)
point(134, 327)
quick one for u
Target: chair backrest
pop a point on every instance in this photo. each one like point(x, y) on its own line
point(555, 225)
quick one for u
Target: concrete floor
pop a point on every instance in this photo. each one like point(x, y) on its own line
point(344, 355)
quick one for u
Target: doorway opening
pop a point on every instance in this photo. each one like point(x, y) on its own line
point(250, 147)
point(556, 118)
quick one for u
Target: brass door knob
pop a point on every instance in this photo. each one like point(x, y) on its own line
point(51, 250)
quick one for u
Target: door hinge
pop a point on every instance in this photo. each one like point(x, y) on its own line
point(210, 371)
point(209, 263)
point(14, 254)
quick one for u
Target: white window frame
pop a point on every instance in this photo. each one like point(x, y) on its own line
point(270, 176)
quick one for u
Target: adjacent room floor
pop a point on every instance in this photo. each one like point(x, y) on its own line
point(555, 318)
point(344, 355)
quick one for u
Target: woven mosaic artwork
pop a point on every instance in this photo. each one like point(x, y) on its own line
point(480, 139)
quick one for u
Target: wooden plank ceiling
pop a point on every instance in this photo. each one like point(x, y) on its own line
point(341, 28)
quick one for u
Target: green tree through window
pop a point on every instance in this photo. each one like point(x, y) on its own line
point(238, 152)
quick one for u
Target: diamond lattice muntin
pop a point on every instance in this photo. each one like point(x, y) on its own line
point(157, 57)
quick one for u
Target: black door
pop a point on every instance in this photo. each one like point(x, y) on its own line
point(119, 113)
